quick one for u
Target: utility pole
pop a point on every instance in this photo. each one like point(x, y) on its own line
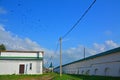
point(60, 56)
point(84, 52)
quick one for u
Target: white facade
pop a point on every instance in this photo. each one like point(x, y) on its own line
point(21, 62)
point(103, 64)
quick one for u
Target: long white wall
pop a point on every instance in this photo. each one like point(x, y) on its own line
point(107, 65)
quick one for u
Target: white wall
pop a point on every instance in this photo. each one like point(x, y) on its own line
point(107, 65)
point(12, 66)
point(22, 54)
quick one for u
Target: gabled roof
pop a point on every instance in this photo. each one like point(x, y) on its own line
point(112, 51)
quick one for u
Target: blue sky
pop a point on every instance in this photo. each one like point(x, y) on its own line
point(40, 23)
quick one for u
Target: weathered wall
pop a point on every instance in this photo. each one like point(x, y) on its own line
point(107, 65)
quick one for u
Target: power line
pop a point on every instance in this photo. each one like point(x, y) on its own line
point(79, 19)
point(69, 32)
point(56, 49)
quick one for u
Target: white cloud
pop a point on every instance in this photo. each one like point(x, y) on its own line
point(76, 53)
point(2, 10)
point(111, 44)
point(1, 27)
point(13, 42)
point(99, 47)
point(108, 44)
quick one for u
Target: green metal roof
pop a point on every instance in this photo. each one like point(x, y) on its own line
point(20, 58)
point(112, 51)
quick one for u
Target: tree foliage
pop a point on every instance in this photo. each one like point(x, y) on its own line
point(51, 65)
point(2, 47)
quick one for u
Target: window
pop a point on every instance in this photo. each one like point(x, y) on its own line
point(96, 71)
point(30, 66)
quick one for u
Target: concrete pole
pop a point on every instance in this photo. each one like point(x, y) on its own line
point(84, 52)
point(60, 56)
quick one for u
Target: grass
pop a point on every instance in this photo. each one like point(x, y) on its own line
point(66, 77)
point(81, 77)
point(25, 77)
point(55, 76)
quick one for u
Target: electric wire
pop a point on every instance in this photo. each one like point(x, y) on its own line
point(55, 52)
point(56, 48)
point(75, 24)
point(79, 19)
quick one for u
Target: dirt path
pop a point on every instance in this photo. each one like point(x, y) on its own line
point(48, 77)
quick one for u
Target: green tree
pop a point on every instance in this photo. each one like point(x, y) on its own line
point(2, 47)
point(51, 66)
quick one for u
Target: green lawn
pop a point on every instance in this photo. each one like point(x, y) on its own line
point(54, 76)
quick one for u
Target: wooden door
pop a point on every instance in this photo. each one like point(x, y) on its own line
point(21, 68)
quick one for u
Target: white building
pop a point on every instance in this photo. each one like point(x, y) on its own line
point(21, 62)
point(103, 64)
